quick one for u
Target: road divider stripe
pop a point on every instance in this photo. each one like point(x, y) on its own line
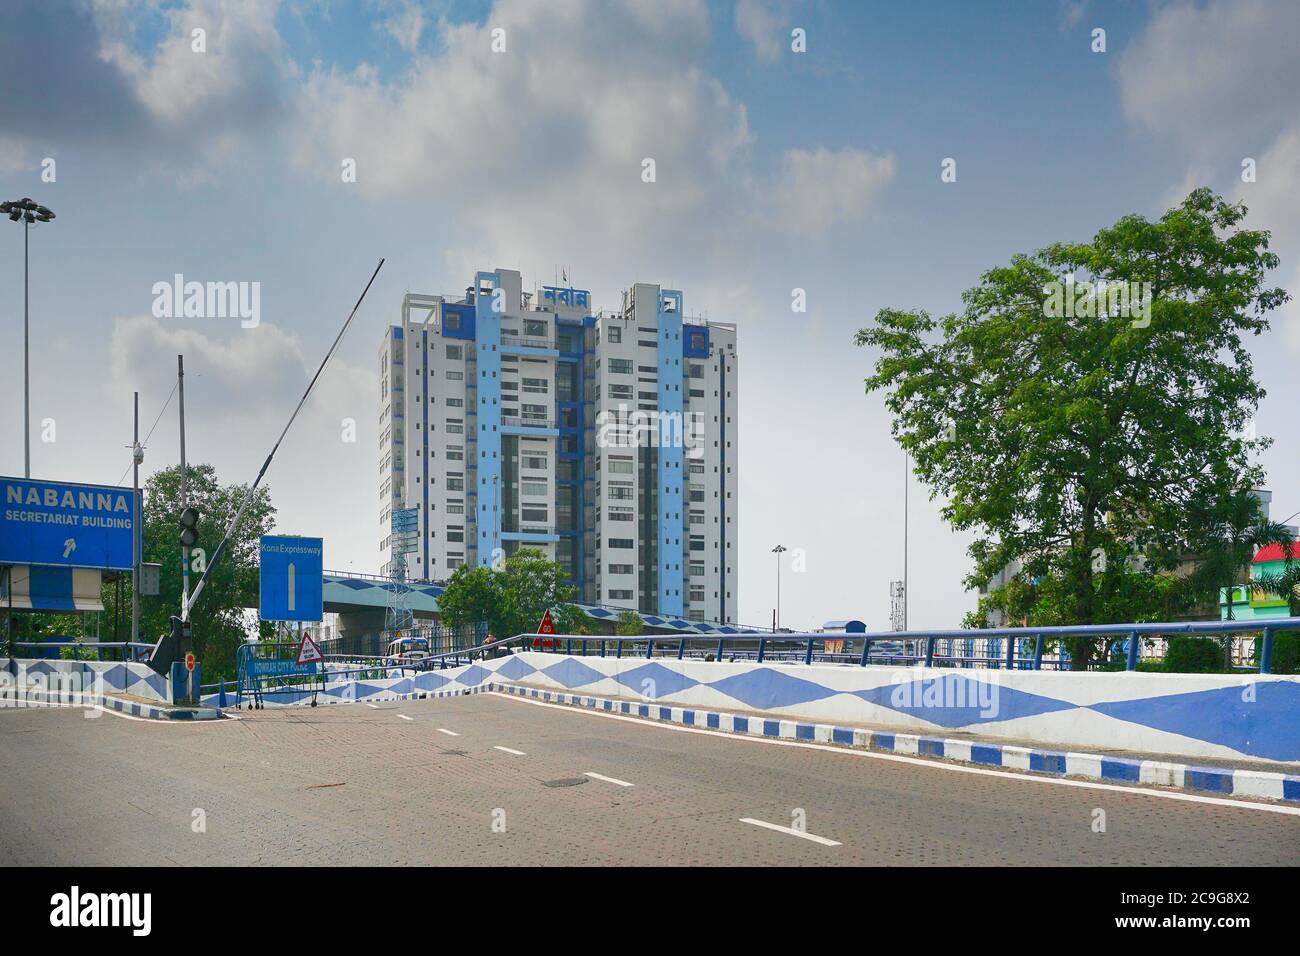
point(790, 831)
point(517, 753)
point(600, 776)
point(404, 717)
point(449, 733)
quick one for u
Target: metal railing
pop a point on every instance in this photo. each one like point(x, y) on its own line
point(96, 646)
point(890, 647)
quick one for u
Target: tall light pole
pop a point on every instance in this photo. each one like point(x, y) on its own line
point(907, 474)
point(778, 551)
point(137, 533)
point(28, 212)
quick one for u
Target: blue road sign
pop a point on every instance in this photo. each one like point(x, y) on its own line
point(65, 524)
point(292, 578)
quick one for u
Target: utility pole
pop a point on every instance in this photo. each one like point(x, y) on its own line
point(776, 620)
point(907, 472)
point(185, 498)
point(137, 456)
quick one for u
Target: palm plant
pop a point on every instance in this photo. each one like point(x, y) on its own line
point(1234, 531)
point(1285, 584)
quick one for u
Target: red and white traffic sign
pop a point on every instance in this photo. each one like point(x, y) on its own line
point(308, 650)
point(547, 626)
point(189, 662)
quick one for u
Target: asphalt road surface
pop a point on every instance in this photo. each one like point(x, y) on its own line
point(494, 780)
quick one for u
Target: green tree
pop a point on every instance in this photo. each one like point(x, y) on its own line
point(531, 585)
point(512, 598)
point(570, 619)
point(218, 618)
point(629, 624)
point(1080, 440)
point(471, 596)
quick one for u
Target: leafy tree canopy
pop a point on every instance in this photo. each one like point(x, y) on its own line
point(218, 618)
point(512, 598)
point(1080, 436)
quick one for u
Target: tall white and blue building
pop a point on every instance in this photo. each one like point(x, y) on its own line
point(605, 439)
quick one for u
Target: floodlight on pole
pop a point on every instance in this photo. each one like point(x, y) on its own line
point(29, 212)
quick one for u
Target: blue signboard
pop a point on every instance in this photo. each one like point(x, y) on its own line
point(292, 578)
point(64, 524)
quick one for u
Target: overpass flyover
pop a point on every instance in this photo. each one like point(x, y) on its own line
point(361, 599)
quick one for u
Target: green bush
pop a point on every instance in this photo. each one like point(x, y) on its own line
point(1193, 655)
point(1286, 652)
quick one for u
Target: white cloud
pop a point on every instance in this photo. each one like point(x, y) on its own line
point(818, 189)
point(1220, 74)
point(1274, 204)
point(240, 387)
point(541, 156)
point(1221, 78)
point(760, 22)
point(404, 22)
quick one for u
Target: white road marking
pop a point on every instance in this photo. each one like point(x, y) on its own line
point(449, 733)
point(404, 717)
point(791, 831)
point(372, 706)
point(920, 761)
point(517, 753)
point(600, 776)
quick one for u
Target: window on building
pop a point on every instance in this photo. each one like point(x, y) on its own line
point(455, 352)
point(615, 334)
point(620, 366)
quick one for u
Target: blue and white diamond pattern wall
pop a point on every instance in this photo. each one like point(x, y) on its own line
point(767, 687)
point(955, 700)
point(655, 681)
point(515, 668)
point(570, 672)
point(1259, 718)
point(1136, 711)
point(472, 676)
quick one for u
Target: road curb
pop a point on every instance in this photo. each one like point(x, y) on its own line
point(1217, 780)
point(47, 698)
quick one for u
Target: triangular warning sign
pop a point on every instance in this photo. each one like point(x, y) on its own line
point(547, 626)
point(308, 651)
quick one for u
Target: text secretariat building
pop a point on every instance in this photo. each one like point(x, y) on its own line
point(608, 440)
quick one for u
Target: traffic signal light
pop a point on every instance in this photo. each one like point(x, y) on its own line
point(189, 527)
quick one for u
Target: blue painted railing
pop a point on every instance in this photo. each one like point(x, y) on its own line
point(890, 647)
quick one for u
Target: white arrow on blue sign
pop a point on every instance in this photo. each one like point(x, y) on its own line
point(291, 578)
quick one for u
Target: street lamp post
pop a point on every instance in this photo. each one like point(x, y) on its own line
point(778, 551)
point(28, 212)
